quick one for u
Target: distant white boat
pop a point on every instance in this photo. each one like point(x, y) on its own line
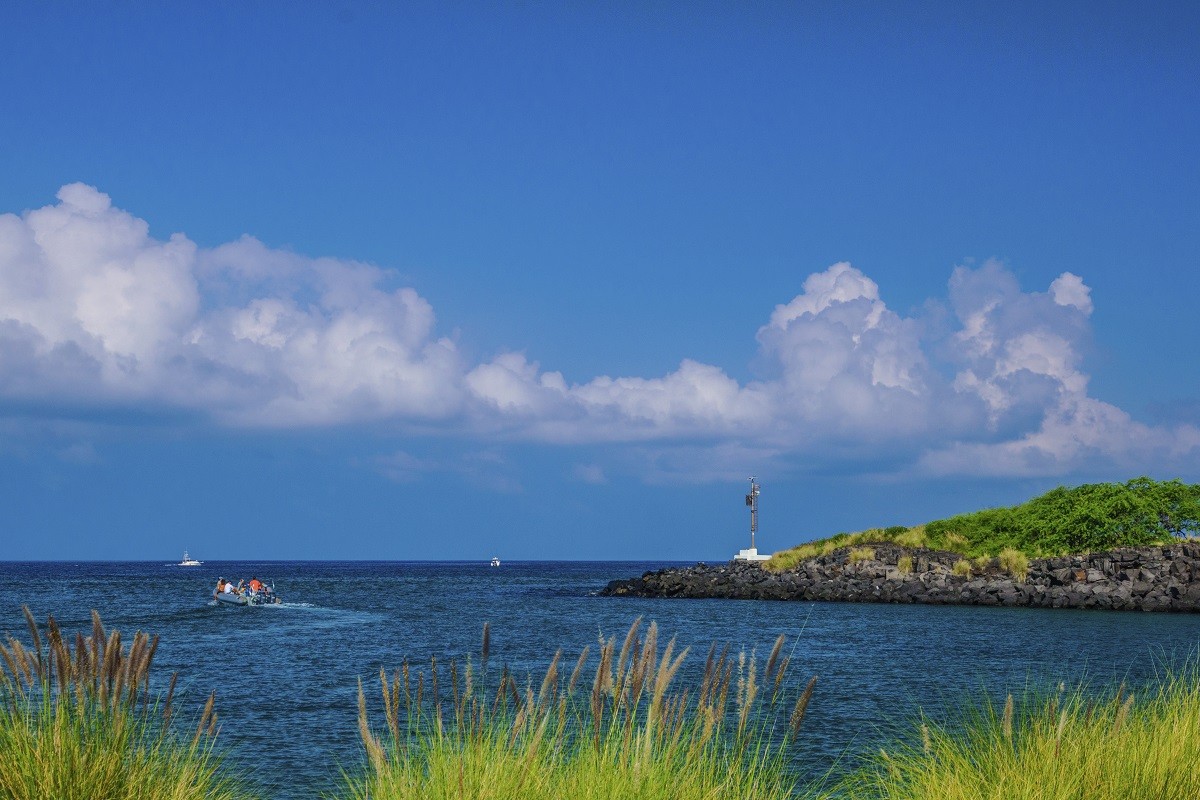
point(495, 561)
point(188, 561)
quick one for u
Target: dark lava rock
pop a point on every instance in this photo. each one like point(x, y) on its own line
point(1160, 578)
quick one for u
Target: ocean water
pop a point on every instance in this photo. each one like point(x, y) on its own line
point(286, 676)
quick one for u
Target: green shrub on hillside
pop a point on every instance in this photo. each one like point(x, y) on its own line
point(1088, 518)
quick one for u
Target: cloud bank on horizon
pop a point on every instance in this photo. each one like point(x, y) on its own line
point(97, 314)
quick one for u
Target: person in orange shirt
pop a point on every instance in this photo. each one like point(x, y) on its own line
point(255, 585)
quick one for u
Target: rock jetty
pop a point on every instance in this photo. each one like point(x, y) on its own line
point(1163, 578)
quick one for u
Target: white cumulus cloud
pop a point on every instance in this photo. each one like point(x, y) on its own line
point(97, 313)
point(93, 308)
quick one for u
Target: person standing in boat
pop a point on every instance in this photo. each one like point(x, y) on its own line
point(255, 586)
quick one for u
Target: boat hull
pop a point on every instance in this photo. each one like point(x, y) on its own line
point(229, 599)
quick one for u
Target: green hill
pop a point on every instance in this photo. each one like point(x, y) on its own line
point(1088, 518)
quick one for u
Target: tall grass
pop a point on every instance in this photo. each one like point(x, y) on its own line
point(78, 721)
point(1065, 744)
point(911, 538)
point(786, 559)
point(857, 554)
point(1015, 563)
point(614, 726)
point(82, 724)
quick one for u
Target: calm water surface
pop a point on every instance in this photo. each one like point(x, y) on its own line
point(286, 676)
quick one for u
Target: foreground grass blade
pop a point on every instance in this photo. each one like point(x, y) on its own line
point(1059, 744)
point(82, 725)
point(628, 731)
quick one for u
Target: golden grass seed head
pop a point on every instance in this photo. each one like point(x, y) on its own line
point(801, 707)
point(773, 657)
point(1006, 723)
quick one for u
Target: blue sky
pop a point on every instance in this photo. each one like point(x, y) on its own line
point(373, 280)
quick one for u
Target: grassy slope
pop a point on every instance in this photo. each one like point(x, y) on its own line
point(1087, 518)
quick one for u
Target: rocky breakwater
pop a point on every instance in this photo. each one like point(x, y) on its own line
point(1162, 578)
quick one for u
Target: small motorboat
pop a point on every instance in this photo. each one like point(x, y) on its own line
point(241, 595)
point(266, 598)
point(188, 561)
point(495, 561)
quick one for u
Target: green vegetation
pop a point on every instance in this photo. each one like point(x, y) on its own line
point(861, 554)
point(625, 732)
point(790, 558)
point(1088, 518)
point(1015, 563)
point(912, 537)
point(905, 537)
point(78, 723)
point(1065, 744)
point(78, 726)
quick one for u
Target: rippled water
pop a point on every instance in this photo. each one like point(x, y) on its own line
point(286, 676)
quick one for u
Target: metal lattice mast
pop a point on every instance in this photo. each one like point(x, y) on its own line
point(752, 501)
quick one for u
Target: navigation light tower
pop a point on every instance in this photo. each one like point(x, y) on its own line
point(752, 502)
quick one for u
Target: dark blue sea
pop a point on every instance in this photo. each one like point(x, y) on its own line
point(286, 676)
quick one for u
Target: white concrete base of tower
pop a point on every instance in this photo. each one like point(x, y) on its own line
point(750, 554)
